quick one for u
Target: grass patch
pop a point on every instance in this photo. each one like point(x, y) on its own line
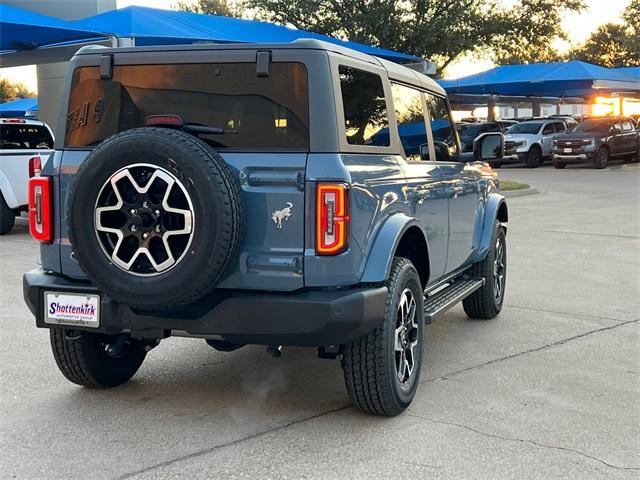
point(506, 185)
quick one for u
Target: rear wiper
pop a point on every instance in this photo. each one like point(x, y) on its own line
point(204, 130)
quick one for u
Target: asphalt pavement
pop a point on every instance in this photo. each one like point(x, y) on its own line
point(550, 389)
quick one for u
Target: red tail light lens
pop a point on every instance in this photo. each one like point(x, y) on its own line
point(40, 217)
point(35, 166)
point(332, 218)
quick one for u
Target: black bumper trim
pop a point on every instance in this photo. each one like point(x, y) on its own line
point(303, 318)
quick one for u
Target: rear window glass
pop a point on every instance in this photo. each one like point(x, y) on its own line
point(365, 108)
point(23, 137)
point(258, 113)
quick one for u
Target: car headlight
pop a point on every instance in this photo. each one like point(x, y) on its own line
point(589, 142)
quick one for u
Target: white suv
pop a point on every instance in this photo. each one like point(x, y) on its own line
point(24, 146)
point(531, 142)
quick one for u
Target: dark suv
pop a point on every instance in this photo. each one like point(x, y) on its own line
point(597, 140)
point(468, 132)
point(288, 194)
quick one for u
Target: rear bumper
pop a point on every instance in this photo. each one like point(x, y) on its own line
point(304, 318)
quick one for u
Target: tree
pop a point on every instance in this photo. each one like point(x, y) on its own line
point(613, 44)
point(531, 40)
point(440, 30)
point(11, 90)
point(213, 7)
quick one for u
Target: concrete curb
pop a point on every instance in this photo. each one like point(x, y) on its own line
point(520, 193)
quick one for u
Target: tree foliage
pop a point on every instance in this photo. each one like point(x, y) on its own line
point(612, 44)
point(212, 7)
point(440, 30)
point(12, 90)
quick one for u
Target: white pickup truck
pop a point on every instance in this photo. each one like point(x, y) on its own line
point(24, 146)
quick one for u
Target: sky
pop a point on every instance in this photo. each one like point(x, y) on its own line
point(578, 27)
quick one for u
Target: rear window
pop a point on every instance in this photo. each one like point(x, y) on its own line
point(259, 113)
point(24, 137)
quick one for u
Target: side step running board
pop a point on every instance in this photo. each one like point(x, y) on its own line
point(446, 298)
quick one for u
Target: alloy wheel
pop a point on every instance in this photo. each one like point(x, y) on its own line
point(499, 270)
point(406, 337)
point(144, 219)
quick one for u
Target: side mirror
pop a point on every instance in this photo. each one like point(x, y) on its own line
point(424, 151)
point(442, 152)
point(488, 146)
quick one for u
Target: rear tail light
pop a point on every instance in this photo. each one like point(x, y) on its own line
point(40, 217)
point(35, 166)
point(332, 218)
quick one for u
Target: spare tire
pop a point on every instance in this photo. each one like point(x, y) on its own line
point(155, 217)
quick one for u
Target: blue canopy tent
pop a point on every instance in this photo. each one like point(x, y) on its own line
point(633, 71)
point(25, 30)
point(558, 79)
point(150, 26)
point(22, 107)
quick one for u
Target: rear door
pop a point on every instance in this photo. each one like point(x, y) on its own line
point(265, 144)
point(548, 133)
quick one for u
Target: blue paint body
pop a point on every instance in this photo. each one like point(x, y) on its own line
point(449, 207)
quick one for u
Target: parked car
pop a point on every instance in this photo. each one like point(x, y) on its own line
point(248, 194)
point(468, 132)
point(569, 120)
point(23, 144)
point(530, 142)
point(506, 124)
point(597, 140)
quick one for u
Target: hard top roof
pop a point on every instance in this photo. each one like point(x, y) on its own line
point(395, 71)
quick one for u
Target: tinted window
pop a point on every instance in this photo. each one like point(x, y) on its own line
point(17, 136)
point(259, 112)
point(593, 125)
point(627, 126)
point(407, 104)
point(365, 109)
point(441, 122)
point(548, 129)
point(559, 127)
point(526, 128)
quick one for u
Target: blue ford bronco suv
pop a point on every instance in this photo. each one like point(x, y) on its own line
point(298, 194)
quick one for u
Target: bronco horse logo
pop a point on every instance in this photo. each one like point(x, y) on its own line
point(281, 215)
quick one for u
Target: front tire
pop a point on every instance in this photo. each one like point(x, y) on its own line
point(7, 217)
point(94, 360)
point(602, 159)
point(382, 369)
point(486, 303)
point(534, 157)
point(558, 164)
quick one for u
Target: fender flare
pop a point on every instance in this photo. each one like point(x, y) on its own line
point(496, 208)
point(380, 257)
point(7, 192)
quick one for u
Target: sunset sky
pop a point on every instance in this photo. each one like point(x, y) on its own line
point(578, 26)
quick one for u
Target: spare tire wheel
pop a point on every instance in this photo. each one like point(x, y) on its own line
point(155, 217)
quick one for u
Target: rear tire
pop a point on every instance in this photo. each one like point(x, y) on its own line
point(486, 303)
point(495, 165)
point(374, 364)
point(84, 358)
point(7, 217)
point(534, 157)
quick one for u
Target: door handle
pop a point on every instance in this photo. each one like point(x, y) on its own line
point(419, 194)
point(457, 190)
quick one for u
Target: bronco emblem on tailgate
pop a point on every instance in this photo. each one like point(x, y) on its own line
point(279, 215)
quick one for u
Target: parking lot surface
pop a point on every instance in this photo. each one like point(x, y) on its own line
point(550, 389)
